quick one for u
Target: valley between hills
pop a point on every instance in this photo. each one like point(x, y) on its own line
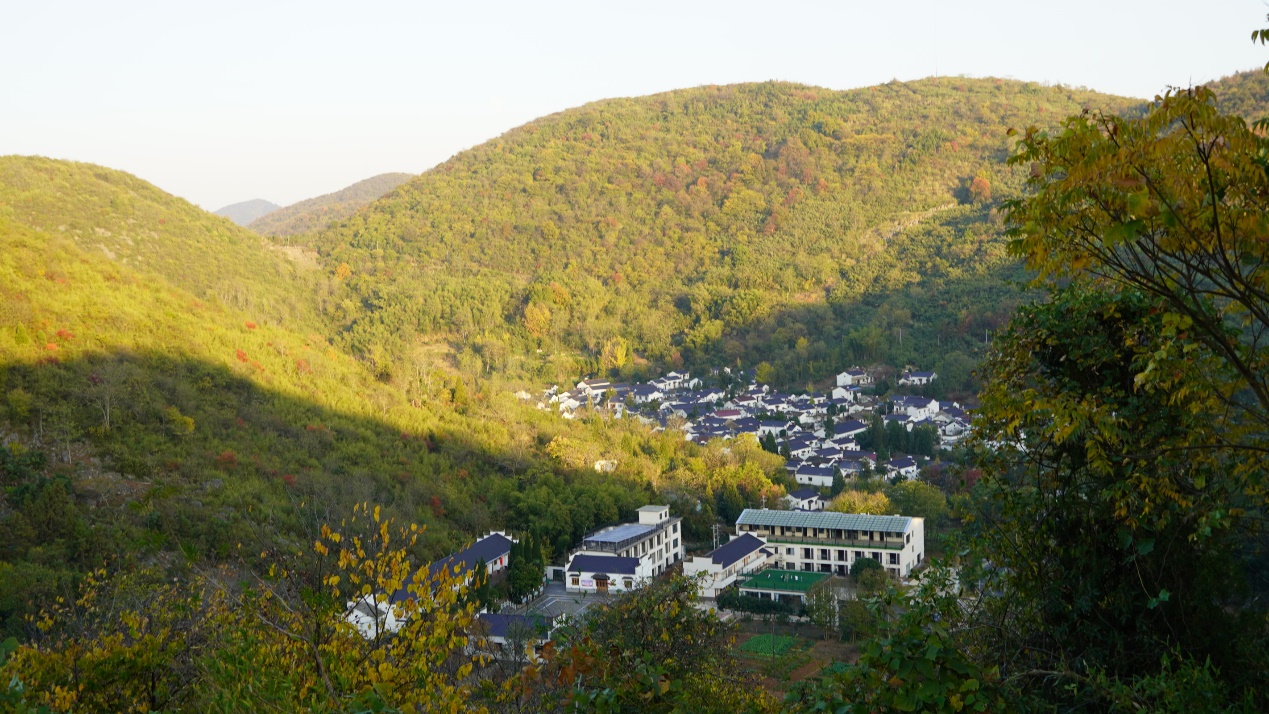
point(190, 407)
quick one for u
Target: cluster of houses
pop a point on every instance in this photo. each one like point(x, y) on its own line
point(610, 560)
point(776, 554)
point(817, 432)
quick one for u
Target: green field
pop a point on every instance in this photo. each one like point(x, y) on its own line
point(762, 645)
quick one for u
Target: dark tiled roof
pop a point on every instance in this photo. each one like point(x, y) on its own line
point(735, 549)
point(603, 564)
point(848, 426)
point(498, 624)
point(804, 493)
point(487, 549)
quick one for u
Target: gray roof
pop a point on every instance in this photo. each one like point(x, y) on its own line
point(603, 564)
point(616, 534)
point(735, 549)
point(824, 519)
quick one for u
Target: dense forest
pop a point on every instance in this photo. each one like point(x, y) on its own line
point(314, 213)
point(167, 379)
point(779, 222)
point(194, 415)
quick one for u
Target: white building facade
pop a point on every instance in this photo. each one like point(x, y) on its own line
point(742, 555)
point(830, 542)
point(628, 554)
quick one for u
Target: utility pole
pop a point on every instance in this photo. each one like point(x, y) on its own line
point(714, 530)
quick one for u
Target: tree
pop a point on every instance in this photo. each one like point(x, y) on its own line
point(525, 567)
point(914, 498)
point(651, 650)
point(822, 605)
point(861, 502)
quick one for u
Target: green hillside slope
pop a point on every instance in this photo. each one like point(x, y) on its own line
point(1244, 93)
point(314, 213)
point(682, 222)
point(136, 225)
point(247, 211)
point(145, 421)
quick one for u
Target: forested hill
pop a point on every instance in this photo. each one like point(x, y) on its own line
point(137, 225)
point(313, 213)
point(144, 418)
point(759, 221)
point(1244, 93)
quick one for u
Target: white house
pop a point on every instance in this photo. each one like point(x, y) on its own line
point(630, 552)
point(716, 571)
point(916, 407)
point(853, 376)
point(829, 542)
point(918, 379)
point(847, 393)
point(819, 476)
point(805, 499)
point(904, 466)
point(499, 633)
point(594, 388)
point(644, 393)
point(376, 614)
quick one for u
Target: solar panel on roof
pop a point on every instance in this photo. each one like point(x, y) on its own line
point(616, 534)
point(824, 519)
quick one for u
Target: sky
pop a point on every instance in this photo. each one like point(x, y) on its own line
point(229, 101)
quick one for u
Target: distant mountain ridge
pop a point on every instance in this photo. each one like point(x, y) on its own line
point(247, 211)
point(314, 213)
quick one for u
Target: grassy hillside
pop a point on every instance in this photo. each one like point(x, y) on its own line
point(135, 225)
point(247, 211)
point(145, 421)
point(314, 213)
point(683, 222)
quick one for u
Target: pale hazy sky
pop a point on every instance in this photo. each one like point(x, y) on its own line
point(227, 101)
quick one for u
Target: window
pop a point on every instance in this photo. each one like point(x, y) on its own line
point(859, 554)
point(627, 583)
point(788, 551)
point(676, 543)
point(894, 558)
point(808, 553)
point(824, 554)
point(908, 538)
point(576, 581)
point(841, 555)
point(806, 566)
point(676, 528)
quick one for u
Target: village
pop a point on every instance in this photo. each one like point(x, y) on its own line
point(775, 560)
point(819, 435)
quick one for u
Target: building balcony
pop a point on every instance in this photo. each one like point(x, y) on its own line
point(838, 542)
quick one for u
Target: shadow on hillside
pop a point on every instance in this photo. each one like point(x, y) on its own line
point(202, 458)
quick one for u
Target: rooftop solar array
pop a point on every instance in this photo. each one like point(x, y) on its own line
point(823, 519)
point(617, 534)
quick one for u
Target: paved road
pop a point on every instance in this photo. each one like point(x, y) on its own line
point(555, 601)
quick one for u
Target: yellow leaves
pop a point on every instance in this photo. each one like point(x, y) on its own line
point(376, 514)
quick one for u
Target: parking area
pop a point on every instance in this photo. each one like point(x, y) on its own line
point(555, 601)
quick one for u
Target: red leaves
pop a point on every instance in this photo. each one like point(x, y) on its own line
point(227, 460)
point(65, 335)
point(250, 325)
point(241, 355)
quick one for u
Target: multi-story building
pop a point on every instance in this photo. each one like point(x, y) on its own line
point(624, 556)
point(716, 571)
point(830, 542)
